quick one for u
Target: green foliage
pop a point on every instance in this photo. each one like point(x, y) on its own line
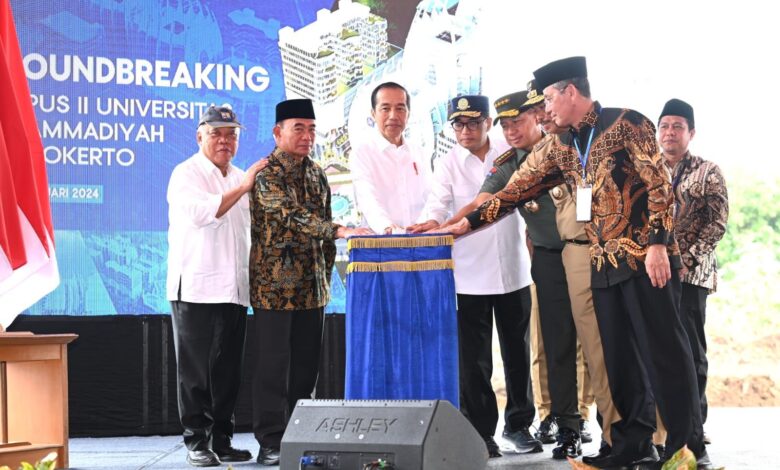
point(374, 5)
point(46, 463)
point(747, 299)
point(754, 219)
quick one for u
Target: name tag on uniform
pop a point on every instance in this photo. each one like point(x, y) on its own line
point(584, 200)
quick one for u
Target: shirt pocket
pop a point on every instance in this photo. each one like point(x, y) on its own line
point(560, 196)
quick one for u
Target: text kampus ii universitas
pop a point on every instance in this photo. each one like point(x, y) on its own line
point(99, 120)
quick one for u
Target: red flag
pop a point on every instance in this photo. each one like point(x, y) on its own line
point(28, 266)
point(11, 242)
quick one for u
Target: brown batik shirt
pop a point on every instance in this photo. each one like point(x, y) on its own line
point(632, 199)
point(702, 210)
point(293, 249)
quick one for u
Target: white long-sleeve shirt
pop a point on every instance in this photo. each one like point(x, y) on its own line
point(391, 182)
point(490, 261)
point(208, 256)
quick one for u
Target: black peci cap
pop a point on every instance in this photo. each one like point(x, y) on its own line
point(297, 108)
point(563, 69)
point(675, 107)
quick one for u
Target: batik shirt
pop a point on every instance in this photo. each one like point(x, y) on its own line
point(293, 249)
point(632, 198)
point(539, 215)
point(702, 209)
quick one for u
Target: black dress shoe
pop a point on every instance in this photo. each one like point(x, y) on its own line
point(231, 454)
point(548, 429)
point(703, 462)
point(585, 436)
point(523, 441)
point(604, 451)
point(568, 445)
point(203, 458)
point(492, 447)
point(646, 456)
point(268, 456)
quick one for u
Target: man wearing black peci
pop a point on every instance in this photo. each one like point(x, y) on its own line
point(610, 160)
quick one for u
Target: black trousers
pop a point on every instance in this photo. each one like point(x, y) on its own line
point(287, 359)
point(559, 335)
point(644, 340)
point(693, 313)
point(209, 343)
point(475, 332)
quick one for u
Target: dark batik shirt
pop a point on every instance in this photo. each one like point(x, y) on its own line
point(632, 198)
point(293, 249)
point(539, 215)
point(702, 210)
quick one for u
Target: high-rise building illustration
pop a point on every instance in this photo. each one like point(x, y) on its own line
point(441, 62)
point(324, 61)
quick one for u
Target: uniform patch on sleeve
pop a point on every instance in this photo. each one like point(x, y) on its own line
point(503, 158)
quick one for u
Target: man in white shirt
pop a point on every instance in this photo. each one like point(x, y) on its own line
point(208, 286)
point(390, 175)
point(492, 277)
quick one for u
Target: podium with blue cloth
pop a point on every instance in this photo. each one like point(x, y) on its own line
point(401, 319)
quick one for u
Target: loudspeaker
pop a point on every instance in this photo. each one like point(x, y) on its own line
point(373, 434)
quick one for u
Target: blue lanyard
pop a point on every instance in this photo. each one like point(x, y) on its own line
point(584, 158)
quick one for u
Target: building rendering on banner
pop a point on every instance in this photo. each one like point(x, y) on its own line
point(324, 61)
point(441, 56)
point(343, 54)
point(325, 58)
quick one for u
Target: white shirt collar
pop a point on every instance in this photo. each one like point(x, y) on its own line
point(463, 153)
point(209, 167)
point(383, 144)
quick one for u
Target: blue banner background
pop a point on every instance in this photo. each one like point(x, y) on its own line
point(111, 220)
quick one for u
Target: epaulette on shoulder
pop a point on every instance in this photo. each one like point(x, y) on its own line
point(504, 157)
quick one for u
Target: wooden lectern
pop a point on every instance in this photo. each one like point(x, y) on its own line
point(33, 397)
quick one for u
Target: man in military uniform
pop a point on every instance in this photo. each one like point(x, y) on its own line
point(700, 222)
point(518, 122)
point(291, 262)
point(623, 193)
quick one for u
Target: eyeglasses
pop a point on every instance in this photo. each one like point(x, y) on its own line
point(472, 124)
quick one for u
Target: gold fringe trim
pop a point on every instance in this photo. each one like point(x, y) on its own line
point(399, 266)
point(400, 242)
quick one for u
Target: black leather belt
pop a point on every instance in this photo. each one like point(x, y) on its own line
point(578, 242)
point(549, 250)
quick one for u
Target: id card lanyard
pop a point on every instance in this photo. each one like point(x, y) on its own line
point(584, 190)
